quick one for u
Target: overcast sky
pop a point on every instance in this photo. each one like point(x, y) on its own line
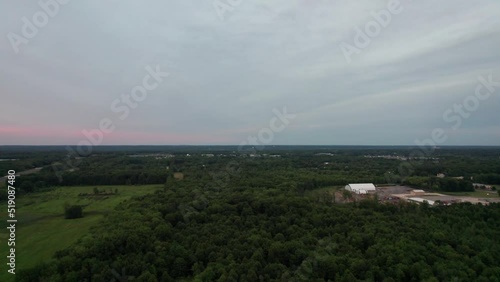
point(230, 68)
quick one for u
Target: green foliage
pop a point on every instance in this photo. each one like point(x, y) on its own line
point(27, 186)
point(439, 184)
point(72, 212)
point(3, 194)
point(44, 230)
point(346, 194)
point(239, 218)
point(298, 167)
point(268, 234)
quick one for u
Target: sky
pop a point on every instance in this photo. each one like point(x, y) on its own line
point(283, 72)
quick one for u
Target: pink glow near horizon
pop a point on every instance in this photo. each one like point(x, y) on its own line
point(34, 132)
point(71, 137)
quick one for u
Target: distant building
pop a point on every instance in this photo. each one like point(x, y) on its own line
point(362, 188)
point(418, 192)
point(441, 175)
point(482, 186)
point(421, 201)
point(324, 154)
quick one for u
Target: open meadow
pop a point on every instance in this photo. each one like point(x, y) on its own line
point(42, 229)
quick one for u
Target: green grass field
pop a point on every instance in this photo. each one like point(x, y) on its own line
point(42, 230)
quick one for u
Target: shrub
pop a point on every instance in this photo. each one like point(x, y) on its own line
point(72, 212)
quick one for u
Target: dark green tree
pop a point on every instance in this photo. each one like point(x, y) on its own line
point(72, 212)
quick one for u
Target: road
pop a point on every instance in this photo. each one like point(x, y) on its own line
point(29, 171)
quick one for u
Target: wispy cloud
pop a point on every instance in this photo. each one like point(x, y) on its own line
point(230, 74)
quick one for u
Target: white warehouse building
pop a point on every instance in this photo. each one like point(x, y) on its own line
point(362, 188)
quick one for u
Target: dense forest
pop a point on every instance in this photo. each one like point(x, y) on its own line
point(264, 215)
point(201, 233)
point(304, 169)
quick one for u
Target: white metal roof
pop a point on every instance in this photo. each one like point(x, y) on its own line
point(420, 200)
point(363, 186)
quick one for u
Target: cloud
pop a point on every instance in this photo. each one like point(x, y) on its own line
point(227, 76)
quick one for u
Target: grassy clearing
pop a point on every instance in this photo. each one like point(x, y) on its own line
point(475, 194)
point(42, 230)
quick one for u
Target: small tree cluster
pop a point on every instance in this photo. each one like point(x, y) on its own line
point(72, 212)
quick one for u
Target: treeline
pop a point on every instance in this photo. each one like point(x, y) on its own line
point(31, 183)
point(490, 178)
point(440, 184)
point(109, 169)
point(25, 161)
point(305, 173)
point(196, 232)
point(300, 170)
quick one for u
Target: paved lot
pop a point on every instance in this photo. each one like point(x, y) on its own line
point(391, 190)
point(390, 193)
